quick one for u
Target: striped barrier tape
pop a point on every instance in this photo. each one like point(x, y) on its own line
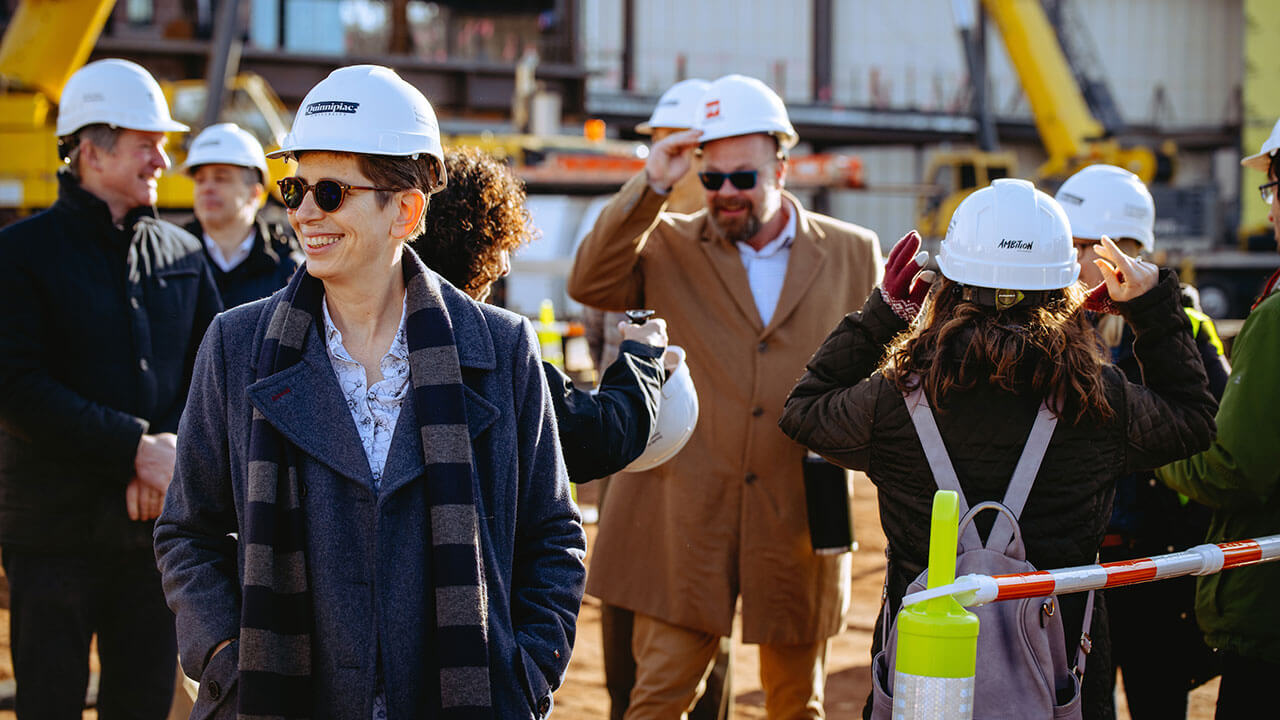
point(972, 590)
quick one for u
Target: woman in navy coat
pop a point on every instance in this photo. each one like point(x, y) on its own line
point(370, 515)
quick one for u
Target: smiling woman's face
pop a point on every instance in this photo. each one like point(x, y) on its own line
point(354, 241)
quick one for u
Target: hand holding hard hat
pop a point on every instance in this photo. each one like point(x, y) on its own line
point(906, 282)
point(652, 332)
point(677, 414)
point(669, 160)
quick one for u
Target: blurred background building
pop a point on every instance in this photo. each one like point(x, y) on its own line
point(901, 107)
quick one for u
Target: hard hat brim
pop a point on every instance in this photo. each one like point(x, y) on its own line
point(1260, 161)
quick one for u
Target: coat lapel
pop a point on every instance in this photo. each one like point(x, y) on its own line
point(727, 264)
point(293, 400)
point(404, 457)
point(305, 404)
point(803, 266)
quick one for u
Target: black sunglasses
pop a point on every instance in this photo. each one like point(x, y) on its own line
point(1268, 191)
point(741, 179)
point(328, 194)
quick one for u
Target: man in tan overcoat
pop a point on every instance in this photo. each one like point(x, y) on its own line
point(750, 287)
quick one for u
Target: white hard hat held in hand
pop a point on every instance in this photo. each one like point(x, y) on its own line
point(1108, 200)
point(226, 144)
point(677, 108)
point(370, 110)
point(114, 92)
point(740, 105)
point(1261, 160)
point(1012, 236)
point(677, 416)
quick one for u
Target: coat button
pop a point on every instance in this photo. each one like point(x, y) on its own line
point(544, 706)
point(750, 478)
point(215, 690)
point(757, 411)
point(762, 346)
point(133, 302)
point(143, 365)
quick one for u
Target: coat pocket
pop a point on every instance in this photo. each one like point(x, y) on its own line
point(218, 685)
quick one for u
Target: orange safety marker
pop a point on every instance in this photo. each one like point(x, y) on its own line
point(971, 590)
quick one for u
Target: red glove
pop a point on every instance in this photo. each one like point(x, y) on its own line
point(906, 282)
point(1099, 300)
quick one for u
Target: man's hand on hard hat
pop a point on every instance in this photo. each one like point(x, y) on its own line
point(906, 282)
point(1124, 278)
point(669, 159)
point(652, 332)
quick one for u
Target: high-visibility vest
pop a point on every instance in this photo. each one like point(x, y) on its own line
point(1198, 320)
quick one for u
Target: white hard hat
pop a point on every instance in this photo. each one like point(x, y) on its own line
point(226, 144)
point(117, 93)
point(1262, 159)
point(677, 108)
point(677, 416)
point(1108, 200)
point(1012, 236)
point(366, 109)
point(741, 105)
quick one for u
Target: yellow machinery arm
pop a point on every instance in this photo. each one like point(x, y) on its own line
point(1071, 135)
point(1062, 116)
point(48, 40)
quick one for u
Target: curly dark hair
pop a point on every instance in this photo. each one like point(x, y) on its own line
point(1047, 349)
point(479, 214)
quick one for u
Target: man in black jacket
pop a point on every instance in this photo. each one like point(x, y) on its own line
point(250, 257)
point(105, 306)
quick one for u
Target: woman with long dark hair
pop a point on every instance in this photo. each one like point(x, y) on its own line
point(989, 343)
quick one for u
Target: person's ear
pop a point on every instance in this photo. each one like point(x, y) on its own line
point(780, 172)
point(411, 205)
point(91, 155)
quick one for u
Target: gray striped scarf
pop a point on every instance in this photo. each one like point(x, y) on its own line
point(276, 617)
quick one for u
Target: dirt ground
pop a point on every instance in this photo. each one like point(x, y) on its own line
point(583, 695)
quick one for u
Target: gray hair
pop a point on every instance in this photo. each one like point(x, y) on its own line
point(100, 134)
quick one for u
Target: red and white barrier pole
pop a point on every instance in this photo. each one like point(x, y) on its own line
point(971, 590)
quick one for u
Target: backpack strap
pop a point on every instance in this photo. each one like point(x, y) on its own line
point(944, 474)
point(1086, 642)
point(935, 451)
point(1024, 475)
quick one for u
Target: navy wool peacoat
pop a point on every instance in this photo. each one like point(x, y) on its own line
point(368, 553)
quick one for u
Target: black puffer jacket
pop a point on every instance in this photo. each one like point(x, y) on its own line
point(847, 412)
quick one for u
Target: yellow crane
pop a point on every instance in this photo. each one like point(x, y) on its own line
point(45, 43)
point(1070, 133)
